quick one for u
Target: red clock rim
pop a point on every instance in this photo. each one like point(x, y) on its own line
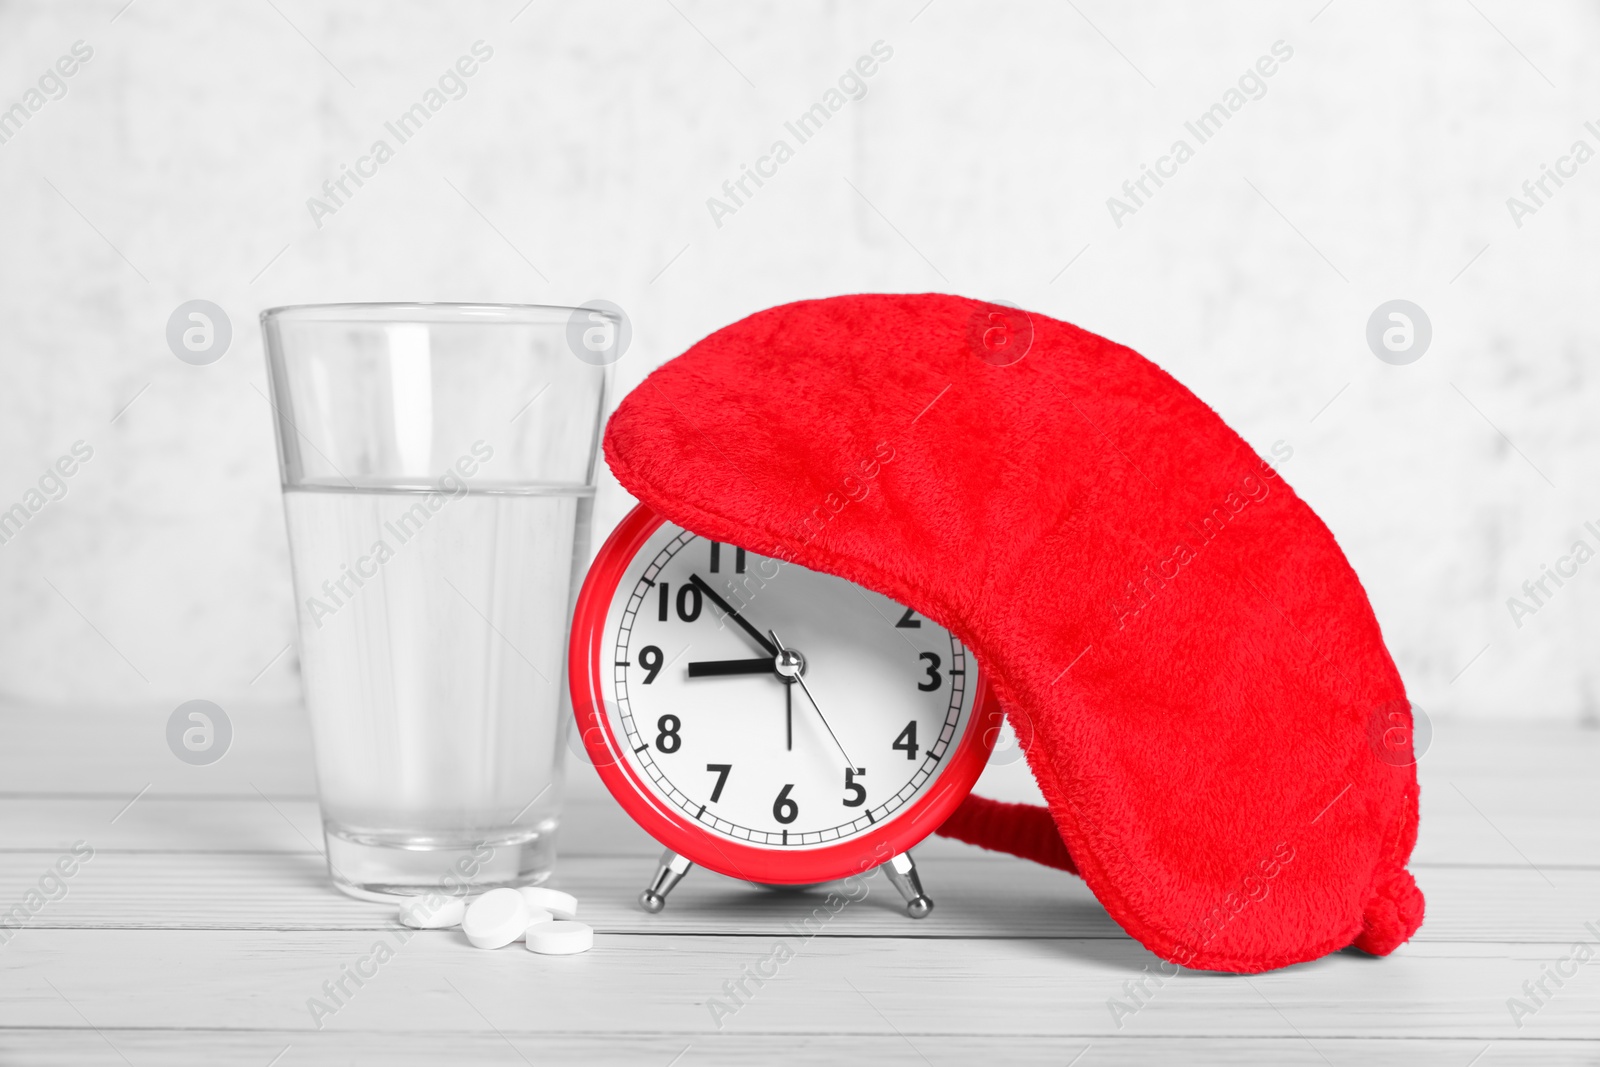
point(676, 831)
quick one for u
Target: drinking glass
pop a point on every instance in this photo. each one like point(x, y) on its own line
point(438, 467)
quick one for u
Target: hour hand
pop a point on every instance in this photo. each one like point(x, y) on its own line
point(713, 668)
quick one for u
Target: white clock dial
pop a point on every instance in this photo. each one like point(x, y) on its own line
point(710, 725)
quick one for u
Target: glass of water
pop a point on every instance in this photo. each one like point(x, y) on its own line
point(438, 465)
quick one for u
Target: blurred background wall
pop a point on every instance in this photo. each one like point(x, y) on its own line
point(1375, 163)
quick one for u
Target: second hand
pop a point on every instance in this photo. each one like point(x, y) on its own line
point(797, 677)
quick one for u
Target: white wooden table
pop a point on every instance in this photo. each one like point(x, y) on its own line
point(204, 922)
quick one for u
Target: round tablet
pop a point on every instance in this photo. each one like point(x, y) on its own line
point(432, 912)
point(535, 917)
point(495, 919)
point(560, 937)
point(561, 905)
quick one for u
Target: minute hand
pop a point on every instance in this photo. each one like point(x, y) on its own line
point(756, 635)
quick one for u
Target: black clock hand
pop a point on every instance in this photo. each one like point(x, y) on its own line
point(799, 678)
point(766, 646)
point(716, 668)
point(788, 718)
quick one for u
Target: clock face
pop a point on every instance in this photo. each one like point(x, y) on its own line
point(770, 706)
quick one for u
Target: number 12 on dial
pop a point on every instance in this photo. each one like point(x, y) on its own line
point(767, 721)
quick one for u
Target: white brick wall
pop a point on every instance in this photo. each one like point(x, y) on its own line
point(991, 140)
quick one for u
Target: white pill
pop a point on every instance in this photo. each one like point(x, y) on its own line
point(560, 937)
point(561, 905)
point(535, 917)
point(495, 919)
point(434, 912)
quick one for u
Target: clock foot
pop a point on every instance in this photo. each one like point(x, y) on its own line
point(669, 874)
point(902, 873)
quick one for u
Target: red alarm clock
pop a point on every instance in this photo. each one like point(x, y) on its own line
point(769, 722)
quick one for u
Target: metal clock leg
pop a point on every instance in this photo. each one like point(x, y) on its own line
point(903, 874)
point(669, 874)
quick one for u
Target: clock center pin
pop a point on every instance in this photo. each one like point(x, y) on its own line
point(789, 664)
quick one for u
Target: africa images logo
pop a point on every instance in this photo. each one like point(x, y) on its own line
point(1251, 85)
point(851, 86)
point(451, 85)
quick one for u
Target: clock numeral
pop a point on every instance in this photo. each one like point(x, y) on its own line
point(650, 659)
point(716, 558)
point(909, 621)
point(784, 809)
point(688, 602)
point(667, 739)
point(907, 741)
point(935, 679)
point(857, 791)
point(721, 771)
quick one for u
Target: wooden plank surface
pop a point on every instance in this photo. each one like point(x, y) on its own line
point(1548, 821)
point(976, 896)
point(392, 1045)
point(204, 923)
point(631, 983)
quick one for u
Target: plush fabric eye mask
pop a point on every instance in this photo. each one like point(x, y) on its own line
point(1181, 646)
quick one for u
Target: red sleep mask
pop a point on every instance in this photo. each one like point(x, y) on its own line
point(1183, 650)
